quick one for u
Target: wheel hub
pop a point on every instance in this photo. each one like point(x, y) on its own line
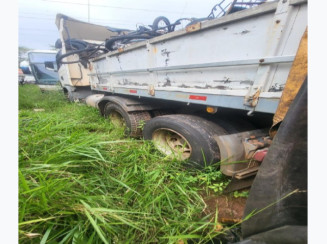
point(171, 143)
point(117, 119)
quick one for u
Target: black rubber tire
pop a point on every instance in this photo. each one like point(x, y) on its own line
point(58, 44)
point(110, 42)
point(155, 25)
point(156, 113)
point(133, 120)
point(233, 125)
point(68, 95)
point(197, 131)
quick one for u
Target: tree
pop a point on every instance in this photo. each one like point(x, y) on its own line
point(52, 47)
point(22, 52)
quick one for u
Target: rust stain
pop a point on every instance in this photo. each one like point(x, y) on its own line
point(155, 50)
point(253, 143)
point(296, 77)
point(151, 90)
point(255, 98)
point(194, 27)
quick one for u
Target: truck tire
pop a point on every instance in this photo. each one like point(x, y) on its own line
point(133, 121)
point(185, 137)
point(162, 20)
point(156, 113)
point(68, 95)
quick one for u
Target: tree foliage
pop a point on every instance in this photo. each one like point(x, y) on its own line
point(22, 50)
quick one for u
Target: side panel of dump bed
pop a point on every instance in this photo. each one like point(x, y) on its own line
point(238, 61)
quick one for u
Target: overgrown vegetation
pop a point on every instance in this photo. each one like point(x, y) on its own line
point(82, 181)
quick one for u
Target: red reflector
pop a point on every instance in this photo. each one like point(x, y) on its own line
point(132, 91)
point(260, 154)
point(105, 88)
point(194, 97)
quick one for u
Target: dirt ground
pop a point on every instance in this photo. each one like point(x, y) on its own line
point(230, 209)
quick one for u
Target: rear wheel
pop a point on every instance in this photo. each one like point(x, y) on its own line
point(69, 96)
point(161, 112)
point(132, 121)
point(185, 137)
point(172, 143)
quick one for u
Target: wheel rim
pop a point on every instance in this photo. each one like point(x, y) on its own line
point(171, 143)
point(117, 119)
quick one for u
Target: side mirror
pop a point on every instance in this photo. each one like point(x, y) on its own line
point(50, 66)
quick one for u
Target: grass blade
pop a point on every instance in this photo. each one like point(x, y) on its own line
point(46, 235)
point(35, 221)
point(94, 224)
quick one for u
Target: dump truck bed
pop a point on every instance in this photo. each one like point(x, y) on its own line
point(239, 61)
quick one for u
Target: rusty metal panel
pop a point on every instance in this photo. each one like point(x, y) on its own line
point(233, 152)
point(194, 27)
point(297, 75)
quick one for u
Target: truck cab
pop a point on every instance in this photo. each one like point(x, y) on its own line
point(44, 68)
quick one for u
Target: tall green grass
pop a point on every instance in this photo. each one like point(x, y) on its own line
point(82, 181)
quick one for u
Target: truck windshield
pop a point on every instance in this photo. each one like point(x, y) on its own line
point(42, 74)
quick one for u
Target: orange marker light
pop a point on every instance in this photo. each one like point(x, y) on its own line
point(212, 110)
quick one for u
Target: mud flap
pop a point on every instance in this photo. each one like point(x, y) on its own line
point(281, 183)
point(236, 185)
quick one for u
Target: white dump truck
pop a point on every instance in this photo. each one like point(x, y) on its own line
point(214, 91)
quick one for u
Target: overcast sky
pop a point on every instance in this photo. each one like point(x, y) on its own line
point(37, 29)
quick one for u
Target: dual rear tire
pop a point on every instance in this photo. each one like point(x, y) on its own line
point(183, 137)
point(132, 121)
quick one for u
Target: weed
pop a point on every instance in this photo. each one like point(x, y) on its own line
point(82, 181)
point(141, 124)
point(213, 179)
point(241, 194)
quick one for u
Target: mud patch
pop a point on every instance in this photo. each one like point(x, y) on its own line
point(230, 209)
